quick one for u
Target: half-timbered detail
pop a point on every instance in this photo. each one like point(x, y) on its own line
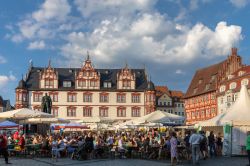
point(200, 99)
point(118, 94)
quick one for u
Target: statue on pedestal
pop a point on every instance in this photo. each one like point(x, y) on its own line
point(46, 104)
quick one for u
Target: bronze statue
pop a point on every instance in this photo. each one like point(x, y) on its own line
point(46, 104)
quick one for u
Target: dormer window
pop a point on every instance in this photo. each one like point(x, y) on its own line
point(233, 85)
point(195, 90)
point(230, 77)
point(107, 84)
point(222, 88)
point(67, 84)
point(207, 86)
point(244, 81)
point(241, 73)
point(213, 77)
point(200, 81)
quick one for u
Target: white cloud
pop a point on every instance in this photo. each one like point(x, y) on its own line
point(179, 71)
point(36, 45)
point(52, 9)
point(2, 60)
point(193, 4)
point(113, 7)
point(131, 29)
point(4, 80)
point(239, 3)
point(164, 42)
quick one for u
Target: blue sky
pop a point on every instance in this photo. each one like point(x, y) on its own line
point(172, 38)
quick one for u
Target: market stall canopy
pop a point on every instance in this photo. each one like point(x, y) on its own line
point(96, 119)
point(156, 117)
point(46, 120)
point(238, 112)
point(24, 113)
point(72, 125)
point(8, 124)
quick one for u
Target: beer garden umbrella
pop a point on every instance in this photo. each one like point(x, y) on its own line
point(24, 113)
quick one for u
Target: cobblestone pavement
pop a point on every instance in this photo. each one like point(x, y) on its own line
point(222, 161)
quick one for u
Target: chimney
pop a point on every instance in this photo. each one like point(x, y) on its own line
point(234, 51)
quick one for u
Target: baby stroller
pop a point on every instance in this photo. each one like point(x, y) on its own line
point(80, 153)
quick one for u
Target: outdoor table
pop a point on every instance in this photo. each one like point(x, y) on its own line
point(31, 148)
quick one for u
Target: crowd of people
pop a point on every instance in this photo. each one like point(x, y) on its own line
point(149, 145)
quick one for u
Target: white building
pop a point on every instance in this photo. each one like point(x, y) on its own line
point(169, 101)
point(77, 93)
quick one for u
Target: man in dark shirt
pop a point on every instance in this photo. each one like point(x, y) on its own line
point(211, 144)
point(3, 148)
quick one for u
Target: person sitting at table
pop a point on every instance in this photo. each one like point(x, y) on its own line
point(154, 149)
point(99, 143)
point(45, 143)
point(110, 140)
point(121, 148)
point(54, 145)
point(161, 143)
point(61, 145)
point(21, 142)
point(36, 140)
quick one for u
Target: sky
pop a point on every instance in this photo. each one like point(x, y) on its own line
point(170, 38)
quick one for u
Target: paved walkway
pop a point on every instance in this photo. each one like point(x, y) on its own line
point(222, 161)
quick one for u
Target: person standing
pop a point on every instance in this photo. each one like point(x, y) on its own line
point(173, 143)
point(194, 141)
point(219, 144)
point(248, 146)
point(3, 148)
point(203, 145)
point(211, 144)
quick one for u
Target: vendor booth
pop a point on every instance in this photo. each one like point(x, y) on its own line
point(234, 123)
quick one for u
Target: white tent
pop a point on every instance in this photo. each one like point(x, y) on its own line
point(24, 113)
point(154, 117)
point(96, 119)
point(46, 120)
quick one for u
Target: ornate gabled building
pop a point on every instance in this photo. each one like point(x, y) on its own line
point(78, 93)
point(170, 101)
point(200, 98)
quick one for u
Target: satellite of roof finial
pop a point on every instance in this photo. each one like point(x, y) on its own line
point(49, 63)
point(126, 64)
point(88, 56)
